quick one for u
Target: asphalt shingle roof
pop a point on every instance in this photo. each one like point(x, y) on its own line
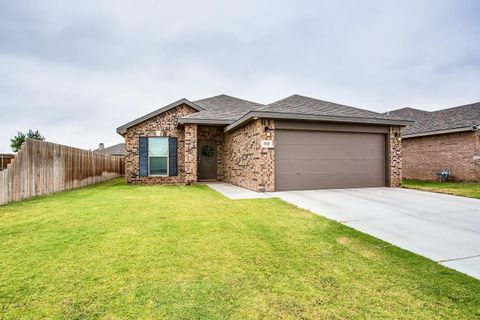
point(305, 105)
point(231, 111)
point(408, 113)
point(223, 107)
point(118, 149)
point(446, 119)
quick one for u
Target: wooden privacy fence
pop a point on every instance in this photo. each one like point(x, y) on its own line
point(42, 168)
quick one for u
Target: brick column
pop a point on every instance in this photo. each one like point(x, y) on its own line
point(265, 164)
point(190, 153)
point(395, 149)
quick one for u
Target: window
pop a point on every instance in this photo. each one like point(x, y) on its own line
point(158, 156)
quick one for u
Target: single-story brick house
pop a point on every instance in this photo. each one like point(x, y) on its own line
point(447, 139)
point(5, 160)
point(117, 150)
point(293, 144)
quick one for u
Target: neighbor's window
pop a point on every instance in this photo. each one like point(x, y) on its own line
point(158, 156)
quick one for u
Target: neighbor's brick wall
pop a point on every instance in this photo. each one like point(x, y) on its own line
point(245, 163)
point(395, 145)
point(476, 157)
point(216, 134)
point(424, 157)
point(166, 123)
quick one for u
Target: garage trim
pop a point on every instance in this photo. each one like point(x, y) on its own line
point(324, 126)
point(285, 126)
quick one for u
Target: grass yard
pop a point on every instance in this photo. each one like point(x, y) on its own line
point(471, 190)
point(114, 251)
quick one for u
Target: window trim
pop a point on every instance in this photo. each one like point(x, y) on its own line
point(168, 157)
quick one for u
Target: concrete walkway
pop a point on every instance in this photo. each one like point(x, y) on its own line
point(441, 227)
point(235, 192)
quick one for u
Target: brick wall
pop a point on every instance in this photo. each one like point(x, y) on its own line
point(166, 123)
point(424, 157)
point(245, 163)
point(190, 153)
point(395, 158)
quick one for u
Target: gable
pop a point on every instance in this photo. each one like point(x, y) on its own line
point(166, 121)
point(195, 108)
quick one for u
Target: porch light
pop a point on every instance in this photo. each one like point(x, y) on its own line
point(397, 135)
point(268, 131)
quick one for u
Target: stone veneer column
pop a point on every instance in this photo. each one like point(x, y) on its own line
point(395, 146)
point(190, 153)
point(245, 163)
point(266, 158)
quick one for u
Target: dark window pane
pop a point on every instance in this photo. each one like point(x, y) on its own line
point(158, 166)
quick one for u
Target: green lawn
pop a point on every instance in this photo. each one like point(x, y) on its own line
point(471, 190)
point(114, 251)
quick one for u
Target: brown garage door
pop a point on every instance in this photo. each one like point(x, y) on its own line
point(321, 160)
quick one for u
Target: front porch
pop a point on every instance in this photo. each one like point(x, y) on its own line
point(203, 153)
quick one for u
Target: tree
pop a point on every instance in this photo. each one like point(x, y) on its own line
point(17, 141)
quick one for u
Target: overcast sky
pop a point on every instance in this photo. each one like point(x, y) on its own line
point(76, 70)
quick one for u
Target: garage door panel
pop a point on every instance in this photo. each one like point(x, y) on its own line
point(308, 182)
point(325, 138)
point(307, 166)
point(319, 159)
point(339, 152)
point(319, 139)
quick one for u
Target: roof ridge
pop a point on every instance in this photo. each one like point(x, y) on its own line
point(228, 96)
point(462, 106)
point(331, 103)
point(290, 96)
point(408, 108)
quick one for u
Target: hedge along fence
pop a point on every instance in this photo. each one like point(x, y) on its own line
point(42, 168)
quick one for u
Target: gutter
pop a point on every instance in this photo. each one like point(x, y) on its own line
point(437, 132)
point(312, 117)
point(218, 122)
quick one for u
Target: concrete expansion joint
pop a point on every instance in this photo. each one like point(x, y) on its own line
point(444, 223)
point(456, 259)
point(371, 219)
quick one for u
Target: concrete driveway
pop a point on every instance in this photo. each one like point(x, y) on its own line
point(441, 227)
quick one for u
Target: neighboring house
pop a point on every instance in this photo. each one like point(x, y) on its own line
point(293, 144)
point(446, 139)
point(5, 159)
point(115, 150)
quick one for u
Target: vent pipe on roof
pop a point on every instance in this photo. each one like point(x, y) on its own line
point(101, 146)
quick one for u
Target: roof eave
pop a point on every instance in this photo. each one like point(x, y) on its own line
point(436, 132)
point(214, 122)
point(310, 117)
point(123, 129)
